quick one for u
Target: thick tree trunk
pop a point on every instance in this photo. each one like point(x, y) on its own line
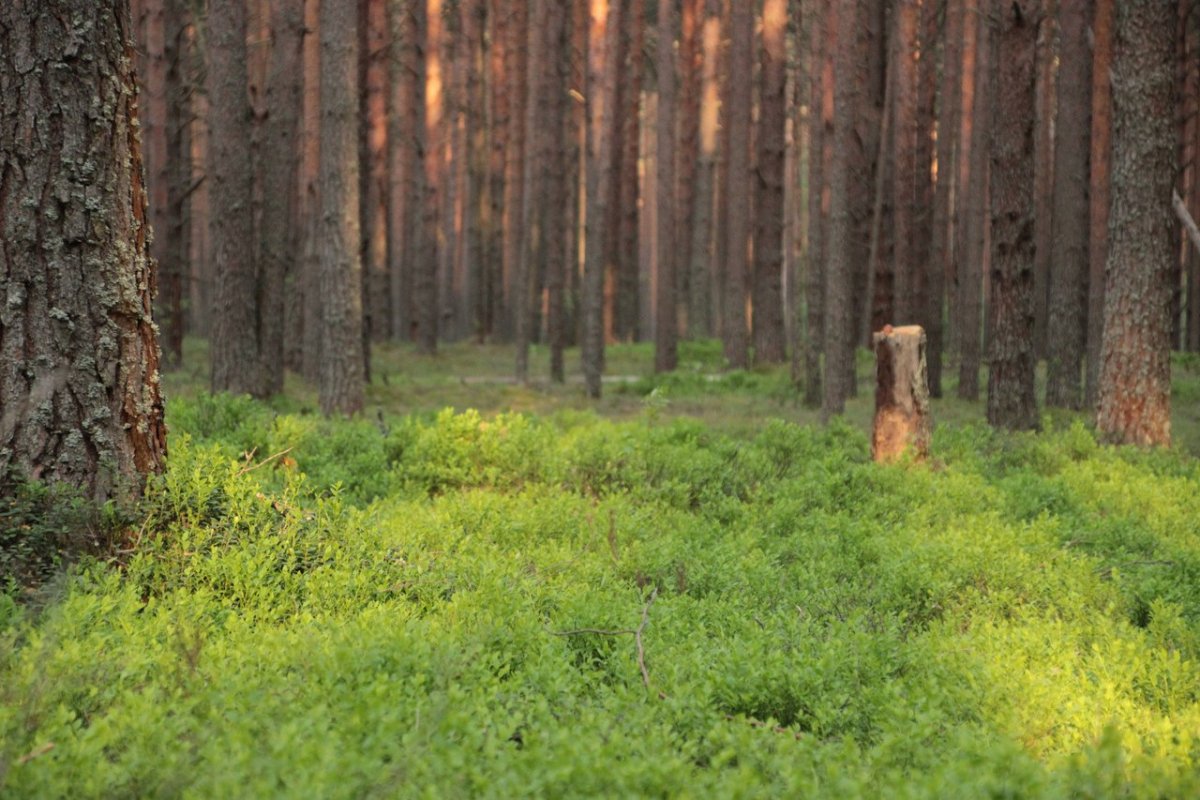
point(1135, 387)
point(737, 194)
point(310, 282)
point(1100, 169)
point(235, 346)
point(342, 385)
point(277, 251)
point(821, 88)
point(771, 141)
point(80, 399)
point(601, 97)
point(666, 325)
point(1068, 301)
point(1011, 400)
point(970, 268)
point(839, 272)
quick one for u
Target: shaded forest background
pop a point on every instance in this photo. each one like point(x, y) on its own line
point(787, 175)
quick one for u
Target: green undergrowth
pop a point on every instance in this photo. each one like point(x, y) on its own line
point(370, 608)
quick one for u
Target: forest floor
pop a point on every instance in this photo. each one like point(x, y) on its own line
point(689, 588)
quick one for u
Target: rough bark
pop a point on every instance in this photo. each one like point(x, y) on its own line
point(970, 269)
point(1135, 388)
point(737, 193)
point(80, 399)
point(839, 272)
point(342, 384)
point(666, 324)
point(310, 275)
point(1068, 300)
point(235, 347)
point(902, 421)
point(771, 142)
point(1099, 194)
point(601, 96)
point(820, 81)
point(1011, 400)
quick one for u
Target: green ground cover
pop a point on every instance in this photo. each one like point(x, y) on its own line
point(375, 612)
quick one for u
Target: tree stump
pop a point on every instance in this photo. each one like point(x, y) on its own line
point(901, 394)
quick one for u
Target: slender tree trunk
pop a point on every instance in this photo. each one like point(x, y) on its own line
point(478, 205)
point(80, 398)
point(342, 384)
point(821, 80)
point(402, 166)
point(839, 331)
point(1068, 300)
point(1135, 386)
point(905, 154)
point(1099, 168)
point(1045, 176)
point(514, 170)
point(500, 113)
point(235, 347)
point(771, 141)
point(602, 91)
point(175, 266)
point(532, 213)
point(700, 303)
point(942, 246)
point(559, 187)
point(691, 73)
point(970, 269)
point(1011, 400)
point(666, 330)
point(311, 265)
point(737, 193)
point(927, 279)
point(426, 216)
point(624, 261)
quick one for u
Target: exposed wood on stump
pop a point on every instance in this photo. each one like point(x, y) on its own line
point(901, 394)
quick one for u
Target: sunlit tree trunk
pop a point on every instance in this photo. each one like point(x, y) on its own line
point(80, 399)
point(771, 143)
point(700, 317)
point(691, 73)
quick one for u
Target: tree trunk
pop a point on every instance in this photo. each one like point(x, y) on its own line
point(737, 194)
point(821, 89)
point(666, 324)
point(514, 160)
point(1011, 400)
point(1068, 300)
point(839, 272)
point(559, 187)
point(426, 209)
point(532, 211)
point(905, 155)
point(478, 204)
point(235, 347)
point(404, 162)
point(601, 97)
point(277, 252)
point(1045, 176)
point(970, 268)
point(1099, 196)
point(625, 215)
point(769, 335)
point(175, 266)
point(1135, 388)
point(942, 246)
point(691, 74)
point(927, 279)
point(79, 385)
point(700, 321)
point(342, 385)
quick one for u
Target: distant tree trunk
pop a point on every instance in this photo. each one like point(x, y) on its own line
point(313, 332)
point(737, 194)
point(373, 35)
point(175, 266)
point(80, 399)
point(905, 155)
point(666, 330)
point(942, 245)
point(771, 141)
point(1044, 171)
point(479, 202)
point(235, 347)
point(1011, 400)
point(927, 279)
point(403, 163)
point(691, 73)
point(970, 268)
point(1068, 301)
point(820, 79)
point(277, 251)
point(427, 208)
point(700, 303)
point(499, 111)
point(624, 212)
point(514, 186)
point(342, 385)
point(1098, 192)
point(839, 272)
point(601, 96)
point(560, 190)
point(1135, 388)
point(532, 212)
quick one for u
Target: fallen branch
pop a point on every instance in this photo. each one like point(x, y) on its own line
point(636, 634)
point(1189, 224)
point(1153, 563)
point(264, 462)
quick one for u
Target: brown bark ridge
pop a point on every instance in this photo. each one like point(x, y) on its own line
point(666, 323)
point(174, 265)
point(601, 96)
point(1135, 387)
point(771, 142)
point(277, 244)
point(342, 384)
point(1099, 168)
point(737, 194)
point(1011, 399)
point(820, 87)
point(839, 273)
point(942, 244)
point(234, 348)
point(1068, 268)
point(80, 399)
point(970, 268)
point(902, 420)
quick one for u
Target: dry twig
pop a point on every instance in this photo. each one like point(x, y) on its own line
point(635, 633)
